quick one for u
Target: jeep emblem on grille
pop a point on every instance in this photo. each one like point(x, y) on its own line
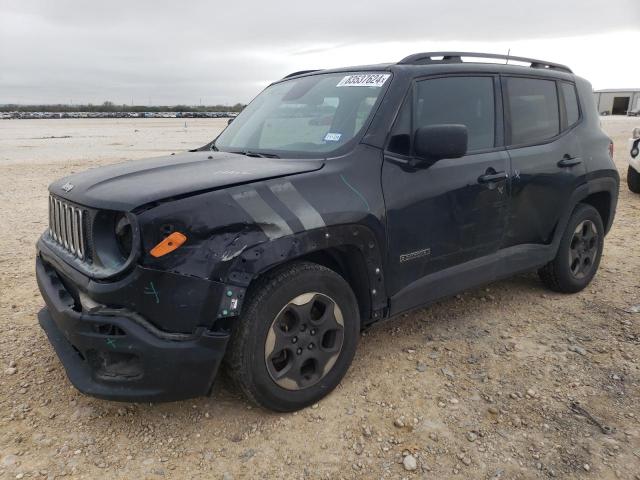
point(67, 187)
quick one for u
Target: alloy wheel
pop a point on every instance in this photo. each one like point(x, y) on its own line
point(583, 249)
point(304, 341)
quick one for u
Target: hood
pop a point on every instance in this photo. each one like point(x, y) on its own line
point(128, 185)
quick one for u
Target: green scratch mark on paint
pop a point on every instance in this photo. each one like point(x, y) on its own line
point(151, 290)
point(111, 342)
point(355, 190)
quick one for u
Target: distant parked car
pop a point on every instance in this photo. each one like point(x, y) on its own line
point(633, 173)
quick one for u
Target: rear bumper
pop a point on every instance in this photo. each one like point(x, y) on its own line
point(116, 355)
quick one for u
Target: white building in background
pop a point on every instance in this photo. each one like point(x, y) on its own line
point(618, 101)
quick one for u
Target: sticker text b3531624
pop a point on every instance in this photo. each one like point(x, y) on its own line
point(364, 80)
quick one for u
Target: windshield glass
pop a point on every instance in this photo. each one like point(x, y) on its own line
point(318, 113)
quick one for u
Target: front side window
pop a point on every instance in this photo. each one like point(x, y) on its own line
point(459, 100)
point(400, 139)
point(308, 115)
point(533, 110)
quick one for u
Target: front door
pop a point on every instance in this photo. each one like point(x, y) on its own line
point(455, 210)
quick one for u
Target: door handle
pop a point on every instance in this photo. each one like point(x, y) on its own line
point(569, 161)
point(492, 177)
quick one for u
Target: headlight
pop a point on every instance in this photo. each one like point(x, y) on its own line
point(124, 234)
point(114, 236)
point(636, 133)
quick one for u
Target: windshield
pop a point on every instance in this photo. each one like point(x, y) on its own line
point(317, 113)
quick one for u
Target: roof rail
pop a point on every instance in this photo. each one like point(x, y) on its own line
point(456, 57)
point(301, 72)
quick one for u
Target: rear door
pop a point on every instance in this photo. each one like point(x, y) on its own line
point(455, 210)
point(542, 117)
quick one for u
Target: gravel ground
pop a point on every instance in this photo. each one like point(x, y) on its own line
point(477, 386)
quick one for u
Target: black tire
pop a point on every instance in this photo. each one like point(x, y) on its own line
point(250, 366)
point(569, 272)
point(633, 180)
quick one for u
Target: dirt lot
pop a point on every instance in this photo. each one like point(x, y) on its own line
point(478, 386)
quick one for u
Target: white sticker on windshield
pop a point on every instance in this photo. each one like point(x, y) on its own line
point(332, 137)
point(364, 80)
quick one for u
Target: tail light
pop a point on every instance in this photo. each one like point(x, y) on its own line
point(611, 150)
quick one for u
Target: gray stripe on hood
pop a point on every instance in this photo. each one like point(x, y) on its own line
point(294, 201)
point(272, 224)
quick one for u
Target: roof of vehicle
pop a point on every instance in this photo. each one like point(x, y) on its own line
point(617, 90)
point(457, 61)
point(428, 58)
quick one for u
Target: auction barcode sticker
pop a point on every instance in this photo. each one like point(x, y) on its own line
point(364, 80)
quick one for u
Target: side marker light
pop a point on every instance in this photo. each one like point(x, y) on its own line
point(168, 245)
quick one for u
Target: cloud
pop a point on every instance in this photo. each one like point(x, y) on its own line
point(181, 52)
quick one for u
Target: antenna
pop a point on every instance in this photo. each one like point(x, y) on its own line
point(508, 53)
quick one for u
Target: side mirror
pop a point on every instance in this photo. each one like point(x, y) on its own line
point(229, 121)
point(435, 142)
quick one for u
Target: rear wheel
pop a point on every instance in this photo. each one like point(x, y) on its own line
point(579, 253)
point(633, 180)
point(296, 337)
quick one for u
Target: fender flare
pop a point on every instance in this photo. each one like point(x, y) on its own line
point(262, 257)
point(608, 184)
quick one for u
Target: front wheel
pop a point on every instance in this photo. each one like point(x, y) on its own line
point(633, 180)
point(296, 337)
point(579, 252)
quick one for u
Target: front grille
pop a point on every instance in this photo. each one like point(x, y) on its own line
point(66, 226)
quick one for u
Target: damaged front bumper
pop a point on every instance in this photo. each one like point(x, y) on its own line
point(116, 354)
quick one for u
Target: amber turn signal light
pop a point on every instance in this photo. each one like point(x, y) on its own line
point(168, 245)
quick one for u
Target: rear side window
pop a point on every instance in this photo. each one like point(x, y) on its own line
point(533, 110)
point(463, 100)
point(570, 103)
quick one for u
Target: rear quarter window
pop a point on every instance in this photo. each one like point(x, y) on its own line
point(533, 110)
point(570, 103)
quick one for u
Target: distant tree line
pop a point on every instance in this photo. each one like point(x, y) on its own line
point(112, 107)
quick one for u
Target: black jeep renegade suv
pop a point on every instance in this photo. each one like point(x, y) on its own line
point(337, 198)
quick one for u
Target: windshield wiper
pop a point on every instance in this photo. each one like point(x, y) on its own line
point(205, 148)
point(249, 153)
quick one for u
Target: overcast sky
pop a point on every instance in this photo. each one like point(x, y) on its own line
point(171, 52)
